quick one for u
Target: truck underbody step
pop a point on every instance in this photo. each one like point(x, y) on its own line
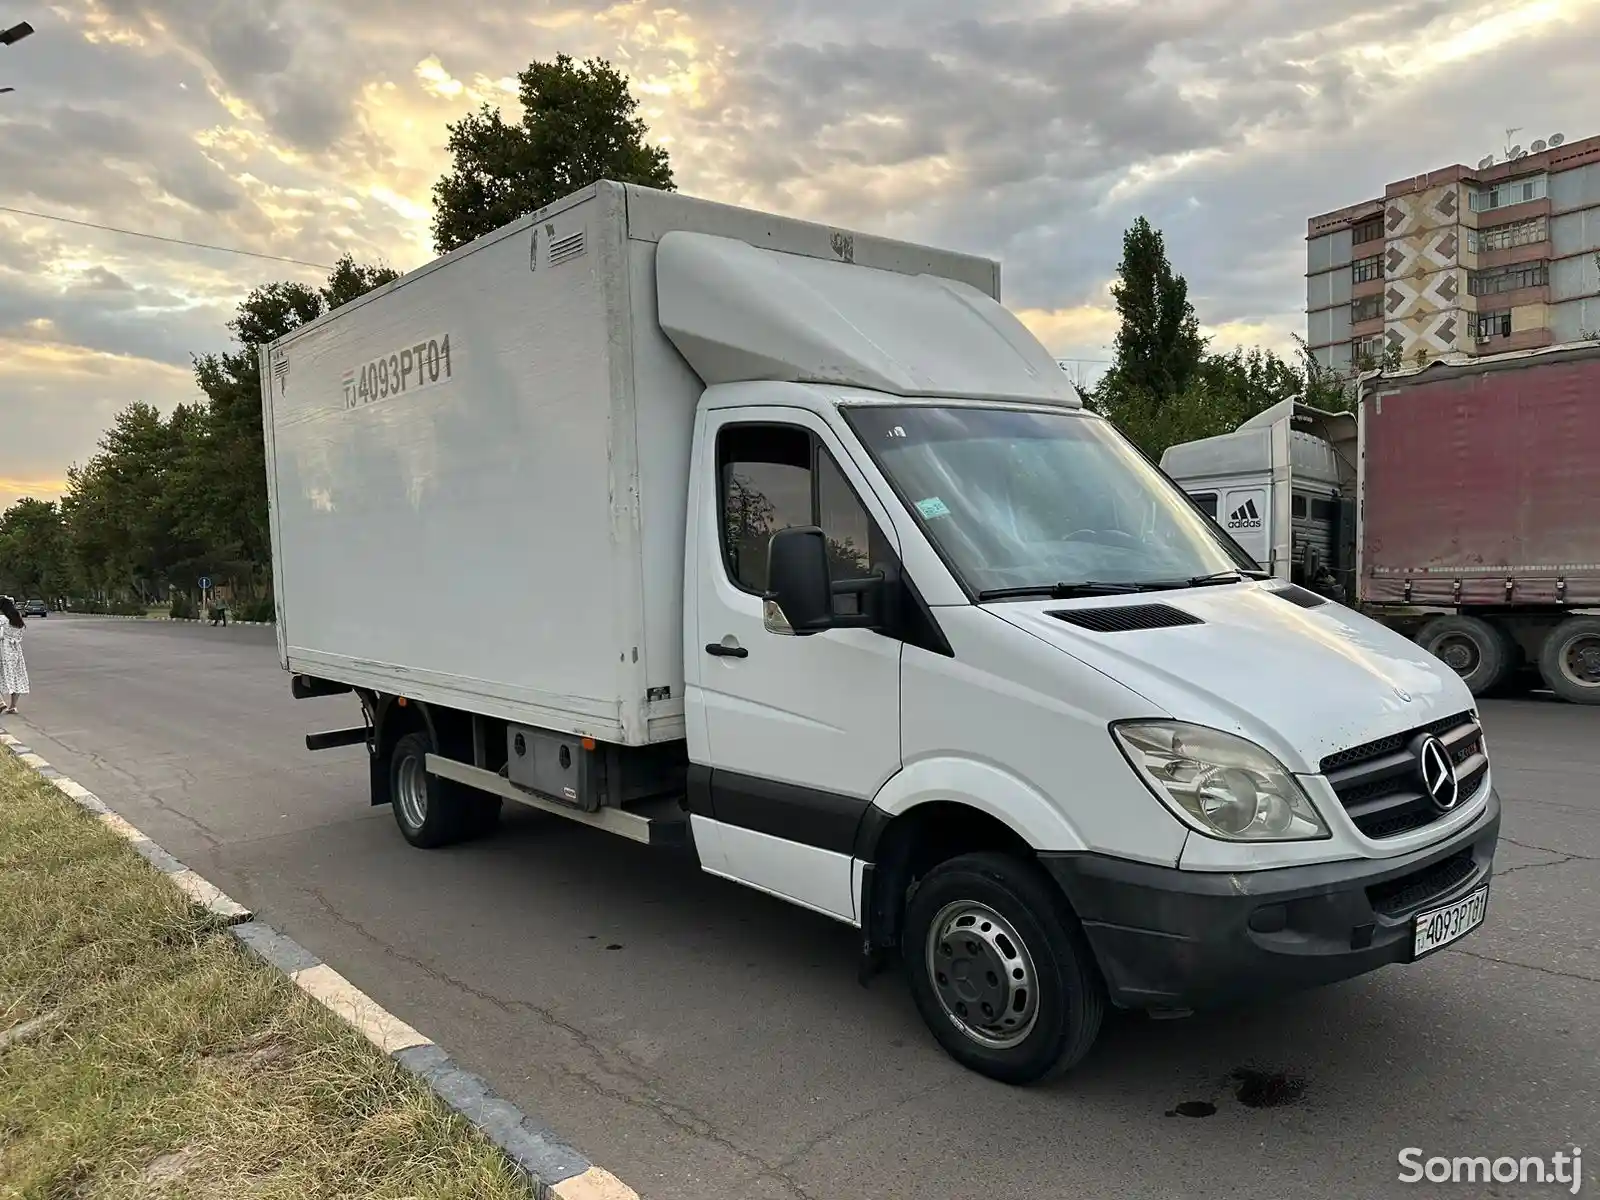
point(660, 823)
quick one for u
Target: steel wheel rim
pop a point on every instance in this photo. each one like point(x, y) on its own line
point(1460, 653)
point(982, 974)
point(411, 789)
point(1580, 660)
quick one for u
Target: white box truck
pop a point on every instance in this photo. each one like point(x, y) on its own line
point(791, 549)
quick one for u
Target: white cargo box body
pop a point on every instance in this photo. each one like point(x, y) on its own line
point(478, 474)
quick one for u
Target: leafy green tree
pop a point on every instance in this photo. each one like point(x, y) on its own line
point(1158, 346)
point(118, 530)
point(33, 549)
point(579, 125)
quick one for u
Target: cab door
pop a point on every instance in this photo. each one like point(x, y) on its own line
point(791, 736)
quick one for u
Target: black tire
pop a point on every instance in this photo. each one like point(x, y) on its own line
point(433, 812)
point(1569, 660)
point(1069, 999)
point(1476, 650)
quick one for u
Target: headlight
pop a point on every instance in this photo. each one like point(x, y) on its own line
point(1222, 785)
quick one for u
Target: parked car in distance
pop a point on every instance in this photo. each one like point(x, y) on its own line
point(35, 608)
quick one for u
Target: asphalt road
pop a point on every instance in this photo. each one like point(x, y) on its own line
point(704, 1042)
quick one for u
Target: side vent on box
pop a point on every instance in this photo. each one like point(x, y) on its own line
point(1124, 618)
point(566, 248)
point(1295, 594)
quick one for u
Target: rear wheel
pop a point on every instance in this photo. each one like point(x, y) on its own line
point(1476, 650)
point(1569, 660)
point(1000, 970)
point(433, 812)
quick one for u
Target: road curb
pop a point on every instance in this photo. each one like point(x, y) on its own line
point(555, 1170)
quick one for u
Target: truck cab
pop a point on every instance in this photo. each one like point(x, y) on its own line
point(1282, 485)
point(949, 650)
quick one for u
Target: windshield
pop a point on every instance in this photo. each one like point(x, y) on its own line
point(1027, 500)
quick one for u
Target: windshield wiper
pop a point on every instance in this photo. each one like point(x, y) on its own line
point(1093, 587)
point(1067, 591)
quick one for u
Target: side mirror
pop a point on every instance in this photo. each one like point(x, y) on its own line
point(797, 578)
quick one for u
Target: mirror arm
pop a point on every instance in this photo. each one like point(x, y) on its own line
point(856, 587)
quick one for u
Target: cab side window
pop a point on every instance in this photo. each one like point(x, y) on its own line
point(775, 477)
point(1207, 502)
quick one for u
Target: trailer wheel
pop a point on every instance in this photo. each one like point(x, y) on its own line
point(1000, 970)
point(1477, 651)
point(430, 811)
point(1569, 660)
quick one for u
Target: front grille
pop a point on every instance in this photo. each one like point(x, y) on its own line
point(1396, 896)
point(1379, 782)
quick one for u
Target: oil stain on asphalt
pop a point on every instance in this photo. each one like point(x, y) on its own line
point(1251, 1088)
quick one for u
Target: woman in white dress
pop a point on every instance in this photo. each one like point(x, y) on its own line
point(13, 667)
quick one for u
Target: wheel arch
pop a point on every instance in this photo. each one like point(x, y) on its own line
point(935, 810)
point(393, 717)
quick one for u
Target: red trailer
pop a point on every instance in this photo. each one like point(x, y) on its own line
point(1479, 494)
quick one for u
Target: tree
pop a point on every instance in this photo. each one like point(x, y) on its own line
point(119, 535)
point(1158, 346)
point(578, 126)
point(33, 549)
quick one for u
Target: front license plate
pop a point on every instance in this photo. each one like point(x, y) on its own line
point(1444, 925)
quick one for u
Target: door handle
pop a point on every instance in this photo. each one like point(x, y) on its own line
point(721, 651)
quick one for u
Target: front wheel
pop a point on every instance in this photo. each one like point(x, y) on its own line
point(1000, 970)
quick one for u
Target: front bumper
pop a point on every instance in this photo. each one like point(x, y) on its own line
point(1166, 938)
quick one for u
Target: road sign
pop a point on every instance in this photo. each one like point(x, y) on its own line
point(205, 582)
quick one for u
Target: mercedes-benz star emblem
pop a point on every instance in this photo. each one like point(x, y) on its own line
point(1438, 774)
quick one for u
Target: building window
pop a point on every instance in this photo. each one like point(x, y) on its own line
point(1366, 309)
point(1369, 230)
point(1503, 237)
point(1494, 324)
point(1365, 269)
point(1367, 352)
point(1513, 191)
point(1508, 279)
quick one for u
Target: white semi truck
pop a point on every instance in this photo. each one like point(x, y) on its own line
point(791, 549)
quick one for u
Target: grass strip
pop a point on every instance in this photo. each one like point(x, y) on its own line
point(144, 1053)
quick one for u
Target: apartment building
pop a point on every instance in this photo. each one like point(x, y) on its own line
point(1474, 260)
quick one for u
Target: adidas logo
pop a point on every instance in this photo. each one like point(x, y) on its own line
point(1245, 516)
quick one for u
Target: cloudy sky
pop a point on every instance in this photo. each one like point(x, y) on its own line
point(1031, 130)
